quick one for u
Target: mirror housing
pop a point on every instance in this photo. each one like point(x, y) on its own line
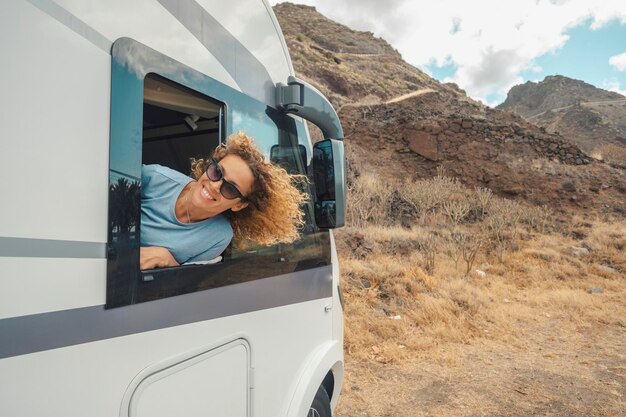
point(329, 181)
point(301, 99)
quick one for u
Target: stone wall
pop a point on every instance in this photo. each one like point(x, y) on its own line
point(432, 138)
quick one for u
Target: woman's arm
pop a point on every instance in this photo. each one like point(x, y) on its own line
point(155, 257)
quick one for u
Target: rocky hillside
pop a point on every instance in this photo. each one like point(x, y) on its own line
point(402, 124)
point(348, 66)
point(554, 92)
point(589, 117)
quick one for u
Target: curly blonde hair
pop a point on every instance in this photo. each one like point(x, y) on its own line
point(273, 214)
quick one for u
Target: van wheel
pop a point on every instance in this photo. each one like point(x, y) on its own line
point(321, 404)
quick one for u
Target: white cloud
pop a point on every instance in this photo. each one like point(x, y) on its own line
point(489, 41)
point(605, 11)
point(618, 61)
point(614, 85)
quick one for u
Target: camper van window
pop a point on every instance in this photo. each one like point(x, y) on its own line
point(166, 119)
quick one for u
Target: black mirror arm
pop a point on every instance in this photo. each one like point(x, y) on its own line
point(300, 98)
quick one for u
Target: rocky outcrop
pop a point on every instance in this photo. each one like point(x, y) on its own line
point(423, 143)
point(592, 118)
point(554, 92)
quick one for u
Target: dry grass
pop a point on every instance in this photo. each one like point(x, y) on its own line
point(411, 298)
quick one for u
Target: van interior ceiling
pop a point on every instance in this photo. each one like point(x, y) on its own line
point(178, 124)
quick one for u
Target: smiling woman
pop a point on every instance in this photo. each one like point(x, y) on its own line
point(236, 193)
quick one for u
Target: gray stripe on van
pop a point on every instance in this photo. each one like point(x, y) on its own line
point(68, 19)
point(247, 71)
point(46, 248)
point(39, 332)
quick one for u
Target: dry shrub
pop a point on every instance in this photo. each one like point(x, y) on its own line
point(480, 201)
point(611, 153)
point(368, 201)
point(429, 247)
point(470, 247)
point(428, 195)
point(537, 218)
point(462, 245)
point(456, 211)
point(501, 224)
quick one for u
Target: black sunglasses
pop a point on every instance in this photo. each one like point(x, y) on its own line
point(227, 190)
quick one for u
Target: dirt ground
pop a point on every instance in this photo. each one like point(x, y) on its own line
point(555, 365)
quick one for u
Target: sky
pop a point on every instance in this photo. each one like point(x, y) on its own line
point(488, 46)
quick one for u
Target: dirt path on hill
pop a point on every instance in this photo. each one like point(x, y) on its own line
point(409, 95)
point(556, 365)
point(393, 100)
point(572, 105)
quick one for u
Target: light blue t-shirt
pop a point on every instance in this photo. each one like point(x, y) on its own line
point(201, 241)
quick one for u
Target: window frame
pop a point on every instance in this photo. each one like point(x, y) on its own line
point(126, 283)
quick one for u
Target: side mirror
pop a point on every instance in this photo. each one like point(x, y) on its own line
point(329, 182)
point(303, 100)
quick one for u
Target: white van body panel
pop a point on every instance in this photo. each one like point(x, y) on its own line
point(41, 68)
point(151, 23)
point(51, 383)
point(33, 285)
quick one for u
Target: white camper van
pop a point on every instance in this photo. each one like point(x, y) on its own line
point(90, 91)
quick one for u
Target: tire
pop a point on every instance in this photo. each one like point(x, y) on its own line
point(321, 404)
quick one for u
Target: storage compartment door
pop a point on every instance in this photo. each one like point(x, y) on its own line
point(214, 383)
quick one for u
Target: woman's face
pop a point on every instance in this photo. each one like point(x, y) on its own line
point(205, 198)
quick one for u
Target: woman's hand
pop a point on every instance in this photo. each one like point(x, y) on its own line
point(155, 257)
